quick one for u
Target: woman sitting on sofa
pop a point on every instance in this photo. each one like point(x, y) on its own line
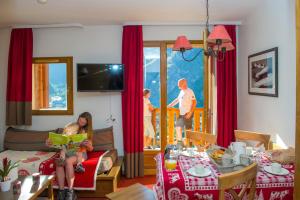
point(67, 160)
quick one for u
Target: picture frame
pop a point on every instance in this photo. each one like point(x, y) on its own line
point(263, 73)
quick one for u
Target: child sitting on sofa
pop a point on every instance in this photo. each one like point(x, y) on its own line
point(67, 150)
point(64, 166)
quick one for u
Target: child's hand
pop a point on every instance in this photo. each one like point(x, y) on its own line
point(84, 143)
point(62, 155)
point(49, 142)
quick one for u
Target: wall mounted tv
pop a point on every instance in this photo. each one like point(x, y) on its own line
point(100, 77)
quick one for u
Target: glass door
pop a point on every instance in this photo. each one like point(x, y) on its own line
point(185, 96)
point(162, 70)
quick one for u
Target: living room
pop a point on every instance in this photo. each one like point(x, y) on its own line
point(91, 36)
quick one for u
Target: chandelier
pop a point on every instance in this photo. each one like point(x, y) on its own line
point(218, 42)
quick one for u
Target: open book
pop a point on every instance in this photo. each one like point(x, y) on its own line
point(68, 141)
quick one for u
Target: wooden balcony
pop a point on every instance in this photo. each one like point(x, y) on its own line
point(172, 115)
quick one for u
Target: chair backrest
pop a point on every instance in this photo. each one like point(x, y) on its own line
point(245, 177)
point(241, 135)
point(199, 138)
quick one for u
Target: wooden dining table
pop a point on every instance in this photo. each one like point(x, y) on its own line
point(178, 184)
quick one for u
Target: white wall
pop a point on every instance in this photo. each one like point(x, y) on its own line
point(272, 24)
point(171, 32)
point(91, 44)
point(4, 48)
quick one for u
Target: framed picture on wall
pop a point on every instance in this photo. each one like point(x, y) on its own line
point(263, 73)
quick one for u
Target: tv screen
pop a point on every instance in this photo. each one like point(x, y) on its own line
point(100, 77)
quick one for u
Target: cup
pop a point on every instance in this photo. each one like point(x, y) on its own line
point(227, 160)
point(245, 159)
point(36, 178)
point(170, 164)
point(249, 151)
point(276, 167)
point(199, 169)
point(190, 151)
point(17, 187)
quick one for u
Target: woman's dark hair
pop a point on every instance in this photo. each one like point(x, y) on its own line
point(145, 92)
point(88, 128)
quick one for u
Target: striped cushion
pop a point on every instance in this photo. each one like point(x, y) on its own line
point(103, 139)
point(30, 140)
point(26, 140)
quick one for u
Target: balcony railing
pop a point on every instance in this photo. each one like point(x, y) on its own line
point(172, 115)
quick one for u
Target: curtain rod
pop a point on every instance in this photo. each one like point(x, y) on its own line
point(37, 26)
point(182, 23)
point(78, 25)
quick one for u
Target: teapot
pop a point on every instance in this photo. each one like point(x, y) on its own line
point(238, 148)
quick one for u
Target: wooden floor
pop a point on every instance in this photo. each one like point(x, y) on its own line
point(147, 181)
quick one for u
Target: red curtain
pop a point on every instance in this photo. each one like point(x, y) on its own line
point(226, 94)
point(132, 100)
point(19, 78)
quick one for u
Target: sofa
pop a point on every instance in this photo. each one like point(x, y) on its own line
point(30, 145)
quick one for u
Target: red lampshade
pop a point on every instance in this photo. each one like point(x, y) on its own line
point(229, 46)
point(219, 32)
point(182, 43)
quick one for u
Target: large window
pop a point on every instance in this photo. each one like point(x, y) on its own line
point(52, 86)
point(152, 83)
point(162, 70)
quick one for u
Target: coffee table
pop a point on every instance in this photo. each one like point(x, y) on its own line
point(30, 191)
point(133, 192)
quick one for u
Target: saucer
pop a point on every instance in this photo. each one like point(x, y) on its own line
point(206, 172)
point(188, 154)
point(281, 173)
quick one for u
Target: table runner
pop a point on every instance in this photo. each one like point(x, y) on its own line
point(179, 185)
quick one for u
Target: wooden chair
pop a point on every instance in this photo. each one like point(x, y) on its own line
point(199, 138)
point(245, 177)
point(241, 135)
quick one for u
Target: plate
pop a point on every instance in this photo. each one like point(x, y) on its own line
point(188, 154)
point(281, 173)
point(206, 172)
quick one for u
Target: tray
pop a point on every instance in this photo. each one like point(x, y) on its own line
point(224, 168)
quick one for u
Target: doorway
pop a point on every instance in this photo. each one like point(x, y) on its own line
point(162, 70)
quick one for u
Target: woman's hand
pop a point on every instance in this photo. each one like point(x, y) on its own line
point(87, 144)
point(49, 142)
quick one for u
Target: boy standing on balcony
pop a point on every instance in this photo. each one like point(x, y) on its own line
point(187, 104)
point(148, 127)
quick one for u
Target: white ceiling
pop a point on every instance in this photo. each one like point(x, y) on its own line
point(92, 12)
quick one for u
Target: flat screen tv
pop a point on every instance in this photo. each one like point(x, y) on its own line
point(100, 77)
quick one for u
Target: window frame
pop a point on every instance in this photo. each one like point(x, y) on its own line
point(149, 155)
point(163, 45)
point(69, 65)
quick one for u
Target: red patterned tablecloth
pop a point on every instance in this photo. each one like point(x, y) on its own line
point(180, 185)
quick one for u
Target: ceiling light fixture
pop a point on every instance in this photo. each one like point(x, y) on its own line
point(42, 1)
point(218, 42)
